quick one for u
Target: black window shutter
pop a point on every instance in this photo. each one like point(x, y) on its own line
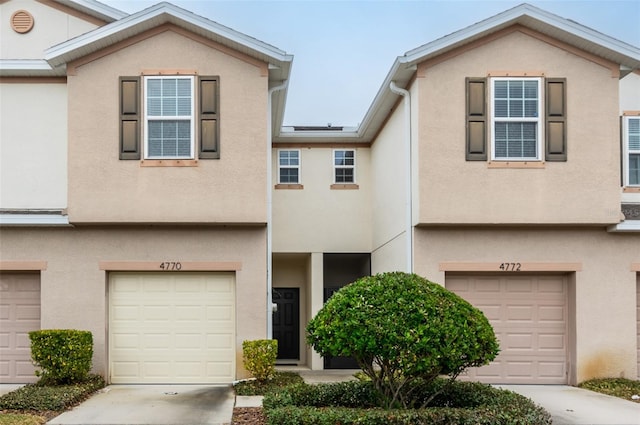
point(130, 118)
point(476, 116)
point(556, 119)
point(209, 118)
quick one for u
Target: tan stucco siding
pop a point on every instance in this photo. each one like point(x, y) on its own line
point(103, 188)
point(603, 298)
point(630, 92)
point(74, 287)
point(582, 190)
point(33, 146)
point(318, 218)
point(51, 27)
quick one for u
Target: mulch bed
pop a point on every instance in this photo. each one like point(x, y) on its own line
point(248, 416)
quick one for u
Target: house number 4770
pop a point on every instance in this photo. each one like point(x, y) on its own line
point(510, 267)
point(170, 265)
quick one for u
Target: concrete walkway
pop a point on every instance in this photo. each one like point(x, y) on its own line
point(570, 405)
point(154, 404)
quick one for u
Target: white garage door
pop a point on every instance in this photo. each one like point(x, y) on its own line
point(529, 316)
point(19, 315)
point(172, 328)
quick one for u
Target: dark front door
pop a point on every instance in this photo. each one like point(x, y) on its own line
point(286, 322)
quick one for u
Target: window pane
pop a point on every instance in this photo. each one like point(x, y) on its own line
point(344, 175)
point(515, 140)
point(289, 175)
point(634, 133)
point(169, 138)
point(634, 169)
point(500, 90)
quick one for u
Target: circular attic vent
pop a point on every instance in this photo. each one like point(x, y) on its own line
point(21, 21)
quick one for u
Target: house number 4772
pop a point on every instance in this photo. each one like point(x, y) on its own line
point(510, 267)
point(170, 265)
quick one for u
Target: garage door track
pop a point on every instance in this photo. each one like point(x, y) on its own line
point(154, 404)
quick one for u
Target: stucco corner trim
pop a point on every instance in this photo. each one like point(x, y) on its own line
point(170, 266)
point(635, 267)
point(509, 266)
point(169, 163)
point(344, 187)
point(631, 189)
point(23, 265)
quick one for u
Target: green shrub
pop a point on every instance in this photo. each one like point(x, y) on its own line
point(64, 355)
point(260, 357)
point(40, 398)
point(277, 382)
point(348, 403)
point(401, 328)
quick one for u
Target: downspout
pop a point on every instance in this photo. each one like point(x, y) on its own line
point(269, 210)
point(408, 176)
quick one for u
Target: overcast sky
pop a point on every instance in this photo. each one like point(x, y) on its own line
point(344, 49)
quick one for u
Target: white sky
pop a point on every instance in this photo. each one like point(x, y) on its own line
point(344, 49)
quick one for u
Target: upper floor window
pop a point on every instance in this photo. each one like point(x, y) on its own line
point(631, 134)
point(169, 117)
point(169, 121)
point(344, 166)
point(289, 167)
point(515, 118)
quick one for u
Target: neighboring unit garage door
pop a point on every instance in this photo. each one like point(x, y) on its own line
point(174, 328)
point(19, 315)
point(529, 316)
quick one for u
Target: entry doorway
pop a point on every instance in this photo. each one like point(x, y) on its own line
point(286, 322)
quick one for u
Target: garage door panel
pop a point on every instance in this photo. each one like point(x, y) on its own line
point(19, 315)
point(529, 317)
point(172, 326)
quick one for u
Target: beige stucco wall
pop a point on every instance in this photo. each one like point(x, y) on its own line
point(103, 188)
point(51, 27)
point(585, 189)
point(605, 287)
point(630, 92)
point(33, 146)
point(318, 218)
point(74, 288)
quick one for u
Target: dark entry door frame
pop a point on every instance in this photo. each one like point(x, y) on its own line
point(286, 322)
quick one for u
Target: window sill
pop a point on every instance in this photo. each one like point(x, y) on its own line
point(631, 189)
point(289, 186)
point(342, 186)
point(516, 164)
point(169, 163)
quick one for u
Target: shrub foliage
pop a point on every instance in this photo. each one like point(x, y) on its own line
point(63, 355)
point(458, 403)
point(401, 327)
point(260, 357)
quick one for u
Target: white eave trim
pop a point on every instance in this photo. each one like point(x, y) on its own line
point(625, 226)
point(29, 67)
point(96, 9)
point(63, 52)
point(34, 220)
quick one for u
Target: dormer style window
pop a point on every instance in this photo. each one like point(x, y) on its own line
point(631, 146)
point(516, 119)
point(174, 116)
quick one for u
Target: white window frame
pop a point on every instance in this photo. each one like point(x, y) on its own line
point(627, 151)
point(289, 166)
point(539, 120)
point(191, 118)
point(336, 167)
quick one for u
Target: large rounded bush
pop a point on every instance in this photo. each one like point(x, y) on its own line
point(401, 327)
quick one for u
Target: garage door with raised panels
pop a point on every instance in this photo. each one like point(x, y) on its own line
point(19, 315)
point(529, 316)
point(172, 328)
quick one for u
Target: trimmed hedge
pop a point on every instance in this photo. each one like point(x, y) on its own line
point(260, 357)
point(348, 403)
point(40, 398)
point(64, 355)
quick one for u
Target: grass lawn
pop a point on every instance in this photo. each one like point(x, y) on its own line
point(21, 419)
point(617, 387)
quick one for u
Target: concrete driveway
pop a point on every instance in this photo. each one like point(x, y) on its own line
point(154, 404)
point(575, 406)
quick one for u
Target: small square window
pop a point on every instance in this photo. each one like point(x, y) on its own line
point(289, 167)
point(344, 165)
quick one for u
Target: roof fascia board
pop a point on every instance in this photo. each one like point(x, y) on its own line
point(625, 226)
point(55, 55)
point(33, 220)
point(92, 8)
